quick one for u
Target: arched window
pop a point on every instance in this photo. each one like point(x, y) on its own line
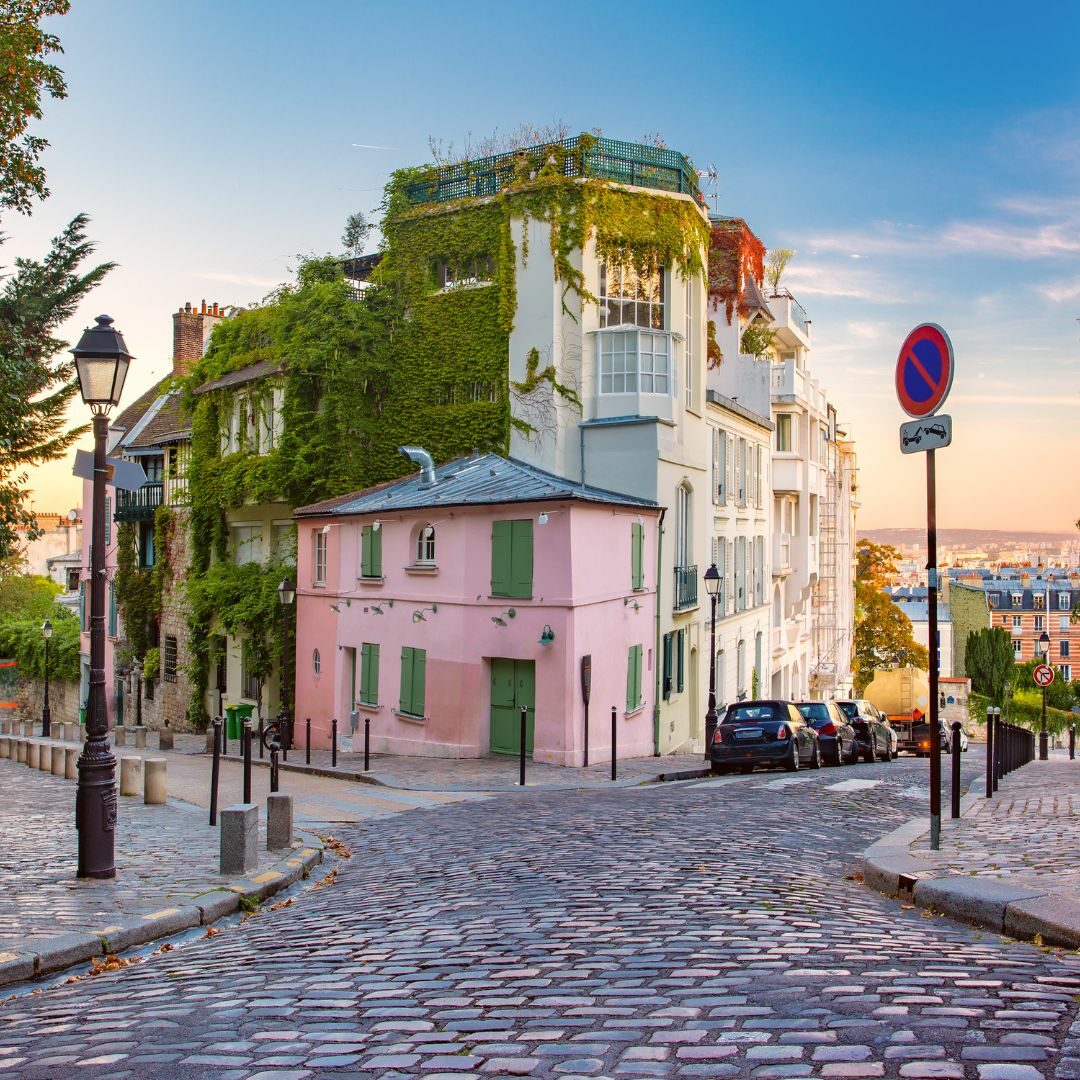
point(425, 546)
point(316, 662)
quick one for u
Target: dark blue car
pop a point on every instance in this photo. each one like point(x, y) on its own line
point(764, 733)
point(839, 743)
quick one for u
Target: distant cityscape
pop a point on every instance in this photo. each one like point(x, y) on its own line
point(980, 548)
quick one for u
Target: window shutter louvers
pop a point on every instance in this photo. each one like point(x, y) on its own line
point(637, 552)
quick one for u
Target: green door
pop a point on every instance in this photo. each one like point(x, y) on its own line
point(513, 684)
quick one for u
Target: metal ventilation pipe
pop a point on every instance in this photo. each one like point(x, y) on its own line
point(423, 459)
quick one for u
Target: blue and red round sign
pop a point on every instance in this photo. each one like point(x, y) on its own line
point(924, 370)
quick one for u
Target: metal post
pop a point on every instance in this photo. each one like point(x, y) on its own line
point(956, 768)
point(246, 744)
point(333, 742)
point(262, 728)
point(367, 743)
point(710, 716)
point(989, 752)
point(224, 735)
point(997, 746)
point(95, 794)
point(307, 741)
point(614, 734)
point(275, 750)
point(935, 738)
point(46, 712)
point(586, 734)
point(1044, 749)
point(1072, 742)
point(521, 752)
point(215, 770)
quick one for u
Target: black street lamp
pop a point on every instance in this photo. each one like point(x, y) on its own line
point(101, 361)
point(712, 587)
point(1044, 650)
point(287, 595)
point(46, 713)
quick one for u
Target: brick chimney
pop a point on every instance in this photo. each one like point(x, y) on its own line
point(191, 333)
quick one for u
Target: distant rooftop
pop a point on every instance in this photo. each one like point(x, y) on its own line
point(636, 164)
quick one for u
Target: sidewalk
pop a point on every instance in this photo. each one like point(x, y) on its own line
point(1009, 863)
point(167, 876)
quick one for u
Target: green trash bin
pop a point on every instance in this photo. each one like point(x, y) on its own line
point(232, 723)
point(243, 712)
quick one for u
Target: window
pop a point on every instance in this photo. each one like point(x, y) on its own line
point(479, 270)
point(425, 546)
point(759, 563)
point(761, 482)
point(1063, 647)
point(284, 542)
point(247, 544)
point(112, 609)
point(719, 458)
point(740, 472)
point(1018, 648)
point(740, 669)
point(1063, 622)
point(146, 544)
point(369, 674)
point(721, 691)
point(270, 425)
point(740, 575)
point(154, 467)
point(637, 555)
point(1039, 622)
point(674, 670)
point(1064, 601)
point(320, 557)
point(250, 684)
point(1039, 600)
point(682, 525)
point(82, 605)
point(413, 679)
point(633, 678)
point(757, 659)
point(995, 599)
point(512, 558)
point(629, 297)
point(1017, 621)
point(635, 362)
point(1066, 672)
point(316, 663)
point(785, 440)
point(1017, 599)
point(689, 362)
point(371, 551)
point(168, 656)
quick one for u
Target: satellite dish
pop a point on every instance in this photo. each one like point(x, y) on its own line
point(73, 515)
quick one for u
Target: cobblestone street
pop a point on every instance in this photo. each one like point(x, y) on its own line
point(711, 928)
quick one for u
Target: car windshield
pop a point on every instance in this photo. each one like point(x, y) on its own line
point(814, 710)
point(851, 710)
point(750, 714)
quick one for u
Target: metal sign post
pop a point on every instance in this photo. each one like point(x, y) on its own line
point(586, 693)
point(924, 376)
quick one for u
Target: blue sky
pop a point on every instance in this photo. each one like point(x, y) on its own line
point(923, 160)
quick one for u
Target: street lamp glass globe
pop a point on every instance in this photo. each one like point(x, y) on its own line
point(101, 360)
point(286, 592)
point(1044, 643)
point(46, 629)
point(712, 580)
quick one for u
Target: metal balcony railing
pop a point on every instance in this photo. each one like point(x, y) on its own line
point(139, 505)
point(605, 159)
point(686, 579)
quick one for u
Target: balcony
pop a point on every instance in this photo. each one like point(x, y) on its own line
point(636, 372)
point(787, 473)
point(686, 580)
point(139, 505)
point(583, 155)
point(781, 554)
point(790, 321)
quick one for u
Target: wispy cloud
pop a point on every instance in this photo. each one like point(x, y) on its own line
point(829, 278)
point(1060, 292)
point(371, 146)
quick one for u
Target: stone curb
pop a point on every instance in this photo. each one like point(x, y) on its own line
point(1020, 908)
point(44, 955)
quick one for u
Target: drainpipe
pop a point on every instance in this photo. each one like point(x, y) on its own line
point(656, 647)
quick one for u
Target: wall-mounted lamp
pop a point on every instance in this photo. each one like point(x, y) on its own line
point(627, 600)
point(418, 616)
point(337, 607)
point(377, 609)
point(542, 519)
point(376, 525)
point(500, 620)
point(547, 635)
point(325, 529)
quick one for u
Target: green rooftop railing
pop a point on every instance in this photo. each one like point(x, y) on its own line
point(604, 159)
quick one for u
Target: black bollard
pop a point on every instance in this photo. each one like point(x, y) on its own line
point(261, 729)
point(614, 734)
point(215, 770)
point(283, 736)
point(307, 741)
point(333, 742)
point(246, 744)
point(521, 745)
point(275, 748)
point(1072, 742)
point(956, 768)
point(989, 753)
point(367, 743)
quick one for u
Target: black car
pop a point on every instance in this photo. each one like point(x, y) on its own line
point(871, 729)
point(837, 738)
point(763, 733)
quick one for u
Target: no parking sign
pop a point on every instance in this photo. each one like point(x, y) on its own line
point(924, 371)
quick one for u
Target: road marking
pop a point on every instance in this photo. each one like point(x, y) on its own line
point(789, 780)
point(853, 785)
point(913, 793)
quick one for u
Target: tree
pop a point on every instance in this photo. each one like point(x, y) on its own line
point(355, 235)
point(989, 661)
point(883, 637)
point(38, 386)
point(24, 76)
point(776, 264)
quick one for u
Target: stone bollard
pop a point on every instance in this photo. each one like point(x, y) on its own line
point(20, 728)
point(45, 758)
point(71, 763)
point(165, 738)
point(5, 727)
point(22, 751)
point(58, 753)
point(33, 754)
point(239, 839)
point(279, 818)
point(70, 733)
point(156, 790)
point(120, 737)
point(131, 776)
point(5, 746)
point(140, 738)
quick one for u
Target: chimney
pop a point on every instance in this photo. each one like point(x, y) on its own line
point(191, 333)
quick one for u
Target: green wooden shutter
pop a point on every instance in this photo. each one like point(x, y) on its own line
point(112, 609)
point(666, 685)
point(637, 552)
point(500, 558)
point(369, 673)
point(376, 552)
point(419, 681)
point(365, 552)
point(405, 698)
point(633, 678)
point(680, 683)
point(521, 553)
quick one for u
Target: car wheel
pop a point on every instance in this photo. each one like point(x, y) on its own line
point(870, 753)
point(746, 770)
point(719, 770)
point(815, 761)
point(888, 754)
point(792, 763)
point(853, 756)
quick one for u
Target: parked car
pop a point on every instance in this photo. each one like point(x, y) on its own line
point(764, 733)
point(921, 735)
point(876, 738)
point(839, 744)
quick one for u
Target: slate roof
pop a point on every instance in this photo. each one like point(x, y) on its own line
point(168, 423)
point(754, 298)
point(482, 480)
point(242, 375)
point(919, 610)
point(127, 419)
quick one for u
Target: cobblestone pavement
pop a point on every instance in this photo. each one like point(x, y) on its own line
point(1019, 831)
point(712, 928)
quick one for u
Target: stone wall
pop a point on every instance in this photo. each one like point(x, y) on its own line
point(63, 700)
point(969, 612)
point(173, 695)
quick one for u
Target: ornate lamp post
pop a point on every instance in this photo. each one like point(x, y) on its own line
point(46, 713)
point(712, 586)
point(287, 595)
point(1044, 651)
point(101, 361)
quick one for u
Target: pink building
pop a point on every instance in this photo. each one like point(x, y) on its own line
point(437, 606)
